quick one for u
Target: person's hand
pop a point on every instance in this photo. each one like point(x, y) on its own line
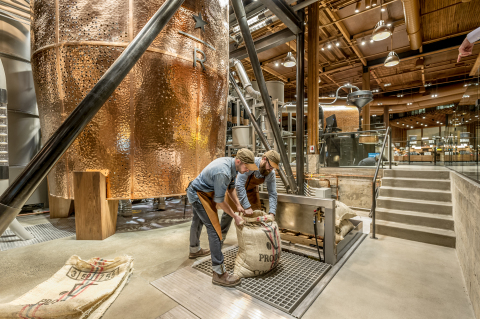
point(273, 216)
point(248, 211)
point(465, 49)
point(238, 220)
point(240, 209)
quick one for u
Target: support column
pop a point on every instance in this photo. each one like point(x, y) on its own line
point(366, 108)
point(386, 116)
point(313, 69)
point(300, 110)
point(95, 217)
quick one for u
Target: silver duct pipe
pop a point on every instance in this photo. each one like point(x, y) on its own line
point(256, 127)
point(239, 11)
point(242, 74)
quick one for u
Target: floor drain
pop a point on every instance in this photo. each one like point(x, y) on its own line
point(285, 287)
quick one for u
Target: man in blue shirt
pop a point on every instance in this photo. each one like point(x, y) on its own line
point(205, 193)
point(246, 187)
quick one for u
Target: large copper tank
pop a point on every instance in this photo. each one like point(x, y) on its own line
point(166, 120)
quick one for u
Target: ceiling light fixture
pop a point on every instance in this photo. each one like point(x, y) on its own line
point(276, 63)
point(387, 84)
point(392, 58)
point(289, 60)
point(357, 6)
point(423, 117)
point(337, 43)
point(398, 122)
point(426, 125)
point(381, 31)
point(367, 4)
point(409, 103)
point(329, 46)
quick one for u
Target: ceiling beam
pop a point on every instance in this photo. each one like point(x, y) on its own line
point(263, 44)
point(284, 12)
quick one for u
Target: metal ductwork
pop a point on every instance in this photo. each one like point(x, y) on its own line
point(417, 105)
point(242, 74)
point(411, 10)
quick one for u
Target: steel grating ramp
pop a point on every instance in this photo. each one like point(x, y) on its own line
point(42, 233)
point(285, 287)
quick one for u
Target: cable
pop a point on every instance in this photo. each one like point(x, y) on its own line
point(316, 237)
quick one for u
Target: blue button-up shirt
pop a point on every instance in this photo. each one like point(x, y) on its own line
point(216, 177)
point(269, 180)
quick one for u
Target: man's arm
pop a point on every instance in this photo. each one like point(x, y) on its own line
point(233, 196)
point(220, 186)
point(241, 191)
point(272, 192)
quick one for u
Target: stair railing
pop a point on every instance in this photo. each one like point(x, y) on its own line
point(374, 182)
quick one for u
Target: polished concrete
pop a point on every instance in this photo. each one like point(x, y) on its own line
point(385, 278)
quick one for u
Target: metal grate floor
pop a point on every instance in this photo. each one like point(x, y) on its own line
point(41, 232)
point(284, 287)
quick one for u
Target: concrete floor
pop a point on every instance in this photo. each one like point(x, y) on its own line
point(385, 278)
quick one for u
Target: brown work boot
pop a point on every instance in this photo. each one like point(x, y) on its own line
point(201, 253)
point(226, 279)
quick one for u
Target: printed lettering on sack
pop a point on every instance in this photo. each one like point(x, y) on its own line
point(77, 274)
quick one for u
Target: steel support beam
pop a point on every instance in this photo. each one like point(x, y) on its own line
point(285, 13)
point(15, 196)
point(263, 44)
point(300, 111)
point(267, 103)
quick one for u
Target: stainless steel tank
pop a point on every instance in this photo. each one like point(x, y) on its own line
point(165, 122)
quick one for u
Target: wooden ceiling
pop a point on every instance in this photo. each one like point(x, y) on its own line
point(440, 19)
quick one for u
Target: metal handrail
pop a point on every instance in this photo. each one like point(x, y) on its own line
point(374, 184)
point(15, 196)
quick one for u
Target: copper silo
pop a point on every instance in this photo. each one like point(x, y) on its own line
point(166, 120)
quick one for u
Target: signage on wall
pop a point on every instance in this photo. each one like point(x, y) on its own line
point(464, 140)
point(312, 148)
point(373, 154)
point(427, 153)
point(413, 143)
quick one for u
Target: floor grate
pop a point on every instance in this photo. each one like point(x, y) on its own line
point(284, 287)
point(41, 232)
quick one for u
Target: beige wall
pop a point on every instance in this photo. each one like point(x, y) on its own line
point(466, 212)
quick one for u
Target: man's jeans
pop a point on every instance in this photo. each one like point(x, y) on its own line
point(200, 218)
point(225, 225)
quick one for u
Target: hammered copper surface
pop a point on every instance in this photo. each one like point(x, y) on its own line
point(166, 120)
point(347, 116)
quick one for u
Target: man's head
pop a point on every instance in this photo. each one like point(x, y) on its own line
point(270, 160)
point(245, 161)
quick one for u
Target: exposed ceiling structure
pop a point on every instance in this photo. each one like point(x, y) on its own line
point(346, 49)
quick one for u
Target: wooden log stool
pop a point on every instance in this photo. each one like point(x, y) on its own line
point(95, 216)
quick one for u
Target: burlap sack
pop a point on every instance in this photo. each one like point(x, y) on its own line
point(80, 289)
point(259, 245)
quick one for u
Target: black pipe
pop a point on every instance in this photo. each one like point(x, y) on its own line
point(27, 182)
point(257, 70)
point(255, 125)
point(300, 90)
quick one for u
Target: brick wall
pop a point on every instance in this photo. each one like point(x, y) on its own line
point(466, 212)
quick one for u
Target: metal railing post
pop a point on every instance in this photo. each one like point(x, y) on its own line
point(15, 196)
point(390, 151)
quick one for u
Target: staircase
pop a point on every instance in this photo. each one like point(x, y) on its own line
point(416, 205)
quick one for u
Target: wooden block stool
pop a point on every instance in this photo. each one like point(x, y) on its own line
point(95, 216)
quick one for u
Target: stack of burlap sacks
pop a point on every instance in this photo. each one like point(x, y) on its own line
point(80, 289)
point(342, 224)
point(259, 245)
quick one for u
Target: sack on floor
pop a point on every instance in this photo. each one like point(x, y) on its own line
point(80, 289)
point(259, 246)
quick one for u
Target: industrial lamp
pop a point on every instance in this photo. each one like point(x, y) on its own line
point(381, 31)
point(392, 59)
point(289, 60)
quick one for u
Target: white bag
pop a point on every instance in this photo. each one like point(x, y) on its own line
point(259, 245)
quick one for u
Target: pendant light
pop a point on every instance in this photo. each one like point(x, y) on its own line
point(289, 60)
point(381, 30)
point(392, 58)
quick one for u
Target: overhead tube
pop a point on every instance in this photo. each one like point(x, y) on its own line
point(242, 74)
point(300, 110)
point(15, 196)
point(257, 70)
point(256, 127)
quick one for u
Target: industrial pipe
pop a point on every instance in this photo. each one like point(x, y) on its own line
point(242, 74)
point(300, 107)
point(267, 103)
point(253, 120)
point(411, 11)
point(13, 199)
